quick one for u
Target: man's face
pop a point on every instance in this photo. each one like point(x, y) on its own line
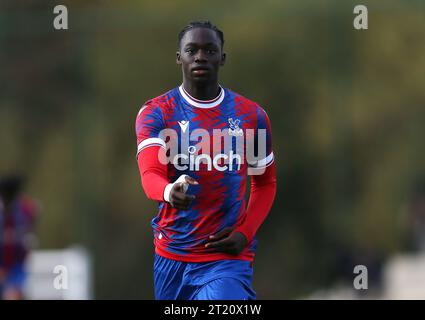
point(200, 55)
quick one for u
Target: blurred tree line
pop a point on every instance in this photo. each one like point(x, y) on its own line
point(347, 112)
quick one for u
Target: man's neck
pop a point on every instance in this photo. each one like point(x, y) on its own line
point(205, 92)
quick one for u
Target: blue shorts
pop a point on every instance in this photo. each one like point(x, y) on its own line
point(215, 280)
point(15, 279)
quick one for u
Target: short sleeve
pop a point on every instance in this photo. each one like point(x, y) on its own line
point(149, 126)
point(262, 141)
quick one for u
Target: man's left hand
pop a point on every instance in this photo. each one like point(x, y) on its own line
point(228, 241)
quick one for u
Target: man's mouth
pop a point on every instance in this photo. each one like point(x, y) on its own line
point(200, 70)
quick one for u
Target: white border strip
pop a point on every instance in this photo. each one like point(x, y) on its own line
point(194, 103)
point(154, 141)
point(263, 162)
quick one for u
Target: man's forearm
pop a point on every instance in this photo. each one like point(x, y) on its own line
point(263, 191)
point(153, 173)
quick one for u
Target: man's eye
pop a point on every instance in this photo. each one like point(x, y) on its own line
point(191, 51)
point(212, 51)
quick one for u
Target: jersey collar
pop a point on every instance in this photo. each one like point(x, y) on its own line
point(202, 103)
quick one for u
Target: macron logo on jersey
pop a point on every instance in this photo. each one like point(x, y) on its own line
point(183, 125)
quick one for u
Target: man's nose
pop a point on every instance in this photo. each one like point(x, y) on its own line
point(200, 56)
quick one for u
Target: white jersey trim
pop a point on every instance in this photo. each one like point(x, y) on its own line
point(150, 142)
point(263, 162)
point(202, 103)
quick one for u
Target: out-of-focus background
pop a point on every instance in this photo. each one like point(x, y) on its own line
point(347, 109)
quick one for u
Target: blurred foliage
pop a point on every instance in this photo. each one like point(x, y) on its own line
point(347, 112)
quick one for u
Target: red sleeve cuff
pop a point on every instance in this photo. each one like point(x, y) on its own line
point(246, 232)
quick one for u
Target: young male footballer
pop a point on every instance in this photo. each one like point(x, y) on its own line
point(196, 145)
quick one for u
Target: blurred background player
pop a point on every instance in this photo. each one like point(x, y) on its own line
point(17, 214)
point(204, 234)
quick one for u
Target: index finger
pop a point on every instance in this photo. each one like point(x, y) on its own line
point(190, 180)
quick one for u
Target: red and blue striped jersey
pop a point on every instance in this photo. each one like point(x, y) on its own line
point(15, 225)
point(217, 142)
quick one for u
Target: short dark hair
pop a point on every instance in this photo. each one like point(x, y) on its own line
point(201, 24)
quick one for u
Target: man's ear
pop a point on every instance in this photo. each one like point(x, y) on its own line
point(223, 59)
point(178, 61)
